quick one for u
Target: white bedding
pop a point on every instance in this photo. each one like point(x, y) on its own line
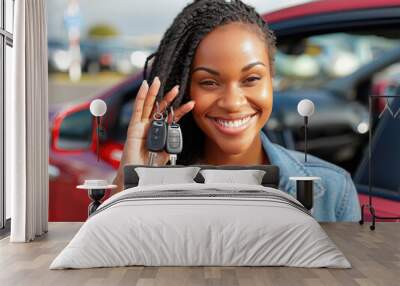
point(189, 230)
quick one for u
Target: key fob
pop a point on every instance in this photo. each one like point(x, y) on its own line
point(157, 136)
point(174, 143)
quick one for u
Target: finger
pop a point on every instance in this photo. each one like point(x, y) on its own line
point(162, 158)
point(139, 101)
point(150, 98)
point(168, 98)
point(181, 111)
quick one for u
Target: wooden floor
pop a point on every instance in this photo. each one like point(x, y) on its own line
point(375, 257)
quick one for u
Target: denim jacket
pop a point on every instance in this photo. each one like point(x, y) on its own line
point(335, 196)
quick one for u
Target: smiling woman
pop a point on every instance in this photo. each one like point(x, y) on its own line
point(221, 55)
point(214, 65)
point(232, 87)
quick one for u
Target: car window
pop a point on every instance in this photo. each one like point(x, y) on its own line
point(125, 114)
point(75, 131)
point(312, 61)
point(121, 104)
point(124, 119)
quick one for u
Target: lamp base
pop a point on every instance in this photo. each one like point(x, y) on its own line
point(96, 195)
point(305, 190)
point(305, 193)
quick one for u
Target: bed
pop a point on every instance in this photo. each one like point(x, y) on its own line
point(201, 224)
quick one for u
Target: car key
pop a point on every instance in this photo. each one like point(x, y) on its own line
point(157, 136)
point(174, 144)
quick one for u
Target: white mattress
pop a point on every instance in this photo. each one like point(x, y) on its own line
point(189, 230)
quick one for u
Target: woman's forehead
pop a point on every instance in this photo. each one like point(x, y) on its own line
point(231, 43)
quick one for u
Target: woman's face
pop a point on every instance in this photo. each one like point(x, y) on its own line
point(232, 87)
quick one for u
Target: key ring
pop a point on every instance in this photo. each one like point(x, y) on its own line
point(158, 115)
point(173, 115)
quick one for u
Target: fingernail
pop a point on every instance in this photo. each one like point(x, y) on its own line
point(143, 85)
point(177, 87)
point(157, 78)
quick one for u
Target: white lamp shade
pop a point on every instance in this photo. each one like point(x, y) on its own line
point(98, 107)
point(305, 107)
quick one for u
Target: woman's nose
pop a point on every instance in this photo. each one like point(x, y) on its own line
point(232, 98)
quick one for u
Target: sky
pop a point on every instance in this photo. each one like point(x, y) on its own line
point(134, 17)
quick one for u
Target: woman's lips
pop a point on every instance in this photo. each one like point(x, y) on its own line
point(233, 126)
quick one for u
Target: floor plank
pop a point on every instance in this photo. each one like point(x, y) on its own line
point(374, 255)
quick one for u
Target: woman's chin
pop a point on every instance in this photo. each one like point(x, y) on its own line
point(234, 147)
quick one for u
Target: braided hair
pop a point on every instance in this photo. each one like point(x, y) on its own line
point(174, 56)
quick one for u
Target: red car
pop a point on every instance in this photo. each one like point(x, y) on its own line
point(305, 33)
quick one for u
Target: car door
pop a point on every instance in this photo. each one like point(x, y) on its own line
point(344, 54)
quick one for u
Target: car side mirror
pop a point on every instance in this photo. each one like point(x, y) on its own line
point(73, 131)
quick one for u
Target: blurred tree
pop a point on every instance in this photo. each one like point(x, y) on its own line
point(100, 31)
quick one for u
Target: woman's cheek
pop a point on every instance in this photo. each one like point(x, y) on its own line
point(264, 101)
point(203, 101)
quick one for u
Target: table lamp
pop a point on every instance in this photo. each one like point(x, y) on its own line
point(98, 108)
point(304, 185)
point(305, 108)
point(96, 188)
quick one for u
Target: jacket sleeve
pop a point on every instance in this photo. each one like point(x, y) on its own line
point(348, 207)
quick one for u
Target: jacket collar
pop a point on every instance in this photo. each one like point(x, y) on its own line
point(289, 165)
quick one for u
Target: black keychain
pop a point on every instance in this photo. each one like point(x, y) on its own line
point(157, 135)
point(174, 144)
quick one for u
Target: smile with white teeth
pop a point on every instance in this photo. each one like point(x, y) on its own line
point(233, 123)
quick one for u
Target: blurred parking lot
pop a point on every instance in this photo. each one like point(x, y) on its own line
point(62, 90)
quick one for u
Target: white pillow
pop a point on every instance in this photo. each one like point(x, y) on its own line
point(249, 177)
point(163, 176)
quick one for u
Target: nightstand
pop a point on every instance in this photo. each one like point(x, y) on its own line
point(96, 190)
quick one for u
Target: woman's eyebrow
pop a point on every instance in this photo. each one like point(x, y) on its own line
point(214, 72)
point(249, 66)
point(211, 71)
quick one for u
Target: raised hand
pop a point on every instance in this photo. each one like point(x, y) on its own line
point(135, 149)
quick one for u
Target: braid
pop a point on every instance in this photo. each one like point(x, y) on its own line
point(174, 56)
point(146, 65)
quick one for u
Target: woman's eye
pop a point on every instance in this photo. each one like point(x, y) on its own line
point(252, 79)
point(208, 83)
